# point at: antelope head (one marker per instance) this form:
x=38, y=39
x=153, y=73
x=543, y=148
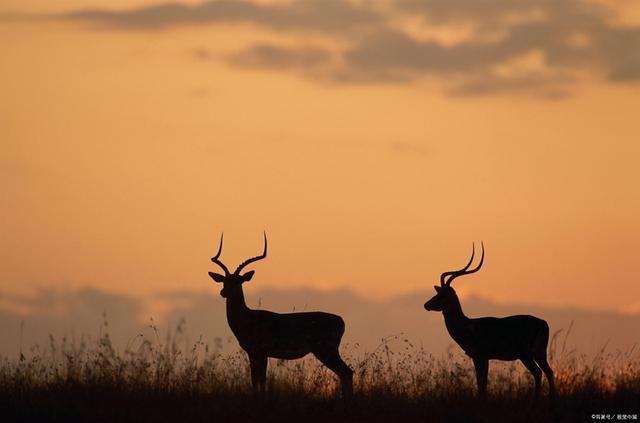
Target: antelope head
x=232, y=282
x=445, y=294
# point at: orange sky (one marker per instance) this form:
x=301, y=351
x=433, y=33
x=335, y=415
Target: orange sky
x=126, y=150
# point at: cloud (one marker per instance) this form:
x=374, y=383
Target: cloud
x=491, y=12
x=66, y=313
x=481, y=65
x=571, y=38
x=395, y=50
x=78, y=313
x=268, y=56
x=619, y=51
x=316, y=15
x=548, y=87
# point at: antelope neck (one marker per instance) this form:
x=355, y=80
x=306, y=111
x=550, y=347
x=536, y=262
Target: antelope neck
x=454, y=316
x=236, y=304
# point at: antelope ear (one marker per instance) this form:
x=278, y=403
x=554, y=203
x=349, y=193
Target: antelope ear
x=247, y=276
x=438, y=288
x=216, y=277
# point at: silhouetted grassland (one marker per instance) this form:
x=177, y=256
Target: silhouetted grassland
x=174, y=380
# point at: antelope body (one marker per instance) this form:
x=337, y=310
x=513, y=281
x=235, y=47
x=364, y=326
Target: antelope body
x=520, y=337
x=288, y=336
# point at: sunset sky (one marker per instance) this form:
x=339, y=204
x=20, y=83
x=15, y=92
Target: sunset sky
x=374, y=141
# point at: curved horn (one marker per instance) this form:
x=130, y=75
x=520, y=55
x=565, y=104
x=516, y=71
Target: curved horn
x=443, y=277
x=252, y=259
x=468, y=272
x=218, y=262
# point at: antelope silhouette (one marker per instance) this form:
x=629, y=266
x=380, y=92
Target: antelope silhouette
x=288, y=336
x=520, y=337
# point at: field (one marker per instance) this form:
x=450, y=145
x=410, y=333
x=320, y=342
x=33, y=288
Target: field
x=169, y=378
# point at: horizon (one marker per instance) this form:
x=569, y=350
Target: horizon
x=81, y=313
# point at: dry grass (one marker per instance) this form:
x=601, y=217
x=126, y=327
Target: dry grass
x=156, y=380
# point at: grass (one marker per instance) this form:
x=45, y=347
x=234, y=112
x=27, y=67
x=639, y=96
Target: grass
x=156, y=380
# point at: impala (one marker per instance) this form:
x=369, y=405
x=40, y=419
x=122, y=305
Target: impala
x=520, y=337
x=289, y=336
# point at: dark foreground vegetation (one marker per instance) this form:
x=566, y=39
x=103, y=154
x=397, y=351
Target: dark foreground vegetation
x=174, y=380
